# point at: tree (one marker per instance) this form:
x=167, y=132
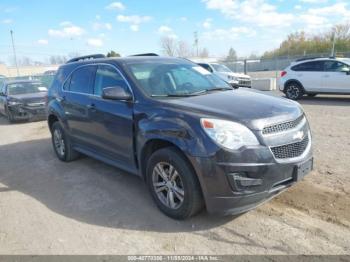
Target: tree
x=232, y=55
x=183, y=49
x=204, y=53
x=169, y=45
x=113, y=54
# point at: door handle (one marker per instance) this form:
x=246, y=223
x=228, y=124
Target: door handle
x=91, y=107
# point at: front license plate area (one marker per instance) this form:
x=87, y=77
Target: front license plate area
x=301, y=170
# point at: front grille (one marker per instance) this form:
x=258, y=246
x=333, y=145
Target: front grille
x=282, y=126
x=244, y=82
x=291, y=150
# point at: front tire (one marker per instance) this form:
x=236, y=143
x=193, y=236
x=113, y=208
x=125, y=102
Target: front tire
x=9, y=116
x=61, y=144
x=173, y=184
x=294, y=91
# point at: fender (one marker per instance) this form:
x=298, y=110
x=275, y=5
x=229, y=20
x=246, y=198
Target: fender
x=55, y=109
x=293, y=80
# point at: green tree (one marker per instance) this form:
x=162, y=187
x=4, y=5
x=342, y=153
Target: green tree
x=113, y=54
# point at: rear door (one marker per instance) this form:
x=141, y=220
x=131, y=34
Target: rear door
x=310, y=75
x=77, y=92
x=336, y=80
x=2, y=98
x=112, y=119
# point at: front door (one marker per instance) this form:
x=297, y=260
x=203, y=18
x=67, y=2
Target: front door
x=112, y=119
x=336, y=80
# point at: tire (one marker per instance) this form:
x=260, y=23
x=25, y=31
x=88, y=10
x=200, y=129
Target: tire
x=311, y=95
x=182, y=183
x=293, y=91
x=61, y=144
x=9, y=116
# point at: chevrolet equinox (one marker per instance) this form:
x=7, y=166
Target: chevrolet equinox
x=195, y=140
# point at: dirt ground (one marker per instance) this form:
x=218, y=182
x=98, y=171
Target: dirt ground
x=87, y=207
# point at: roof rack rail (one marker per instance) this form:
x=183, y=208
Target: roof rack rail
x=86, y=57
x=308, y=58
x=146, y=54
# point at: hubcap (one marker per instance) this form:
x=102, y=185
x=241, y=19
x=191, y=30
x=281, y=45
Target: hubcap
x=168, y=185
x=293, y=92
x=59, y=142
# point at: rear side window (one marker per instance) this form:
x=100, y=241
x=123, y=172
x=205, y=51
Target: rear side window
x=206, y=66
x=334, y=66
x=315, y=66
x=108, y=76
x=81, y=80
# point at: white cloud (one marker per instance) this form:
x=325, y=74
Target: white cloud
x=183, y=19
x=133, y=19
x=116, y=6
x=43, y=42
x=230, y=33
x=164, y=29
x=7, y=21
x=313, y=1
x=257, y=12
x=207, y=23
x=66, y=23
x=95, y=42
x=134, y=28
x=101, y=26
x=298, y=7
x=67, y=30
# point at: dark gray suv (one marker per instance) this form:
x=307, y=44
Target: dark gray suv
x=195, y=140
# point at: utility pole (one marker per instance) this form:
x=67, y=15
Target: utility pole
x=14, y=52
x=333, y=45
x=196, y=42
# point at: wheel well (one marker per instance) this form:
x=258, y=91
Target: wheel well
x=293, y=81
x=151, y=147
x=51, y=120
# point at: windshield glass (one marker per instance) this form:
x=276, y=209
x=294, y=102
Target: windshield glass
x=221, y=68
x=167, y=79
x=25, y=88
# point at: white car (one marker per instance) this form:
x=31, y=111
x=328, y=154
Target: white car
x=222, y=71
x=316, y=76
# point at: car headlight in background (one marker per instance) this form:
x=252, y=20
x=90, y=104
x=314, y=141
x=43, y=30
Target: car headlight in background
x=14, y=103
x=228, y=134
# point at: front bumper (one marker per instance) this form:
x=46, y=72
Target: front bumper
x=241, y=83
x=234, y=183
x=23, y=112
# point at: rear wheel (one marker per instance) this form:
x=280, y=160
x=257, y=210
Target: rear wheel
x=294, y=91
x=173, y=184
x=61, y=144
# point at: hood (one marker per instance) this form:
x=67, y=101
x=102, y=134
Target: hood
x=29, y=98
x=240, y=75
x=251, y=108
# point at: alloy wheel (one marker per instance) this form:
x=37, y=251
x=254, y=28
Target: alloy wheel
x=293, y=92
x=59, y=142
x=168, y=185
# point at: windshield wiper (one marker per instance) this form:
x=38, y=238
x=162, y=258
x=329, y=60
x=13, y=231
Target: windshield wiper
x=205, y=91
x=174, y=95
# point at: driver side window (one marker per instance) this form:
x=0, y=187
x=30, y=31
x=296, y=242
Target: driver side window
x=107, y=76
x=334, y=66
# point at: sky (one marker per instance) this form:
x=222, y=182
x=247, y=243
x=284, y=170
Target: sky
x=45, y=28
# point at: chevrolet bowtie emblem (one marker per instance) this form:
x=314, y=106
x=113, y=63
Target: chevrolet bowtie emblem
x=299, y=135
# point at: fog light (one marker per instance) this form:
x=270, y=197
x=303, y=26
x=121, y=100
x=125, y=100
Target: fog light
x=240, y=180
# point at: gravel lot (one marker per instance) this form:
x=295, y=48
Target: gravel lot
x=87, y=207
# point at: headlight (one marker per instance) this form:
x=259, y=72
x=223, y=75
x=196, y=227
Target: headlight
x=230, y=135
x=14, y=103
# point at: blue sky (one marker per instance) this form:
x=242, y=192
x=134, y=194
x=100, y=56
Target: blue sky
x=44, y=28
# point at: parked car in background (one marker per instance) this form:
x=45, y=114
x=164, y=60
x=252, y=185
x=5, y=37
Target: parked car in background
x=50, y=72
x=22, y=100
x=222, y=71
x=316, y=76
x=195, y=140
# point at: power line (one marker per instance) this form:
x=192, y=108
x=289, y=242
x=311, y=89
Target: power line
x=14, y=52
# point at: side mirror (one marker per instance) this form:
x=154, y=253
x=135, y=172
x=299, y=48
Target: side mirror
x=346, y=70
x=116, y=93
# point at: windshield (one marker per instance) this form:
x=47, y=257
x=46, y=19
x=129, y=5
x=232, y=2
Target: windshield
x=221, y=68
x=168, y=79
x=25, y=88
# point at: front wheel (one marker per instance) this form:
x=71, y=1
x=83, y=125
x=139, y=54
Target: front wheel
x=294, y=91
x=173, y=184
x=61, y=144
x=9, y=116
